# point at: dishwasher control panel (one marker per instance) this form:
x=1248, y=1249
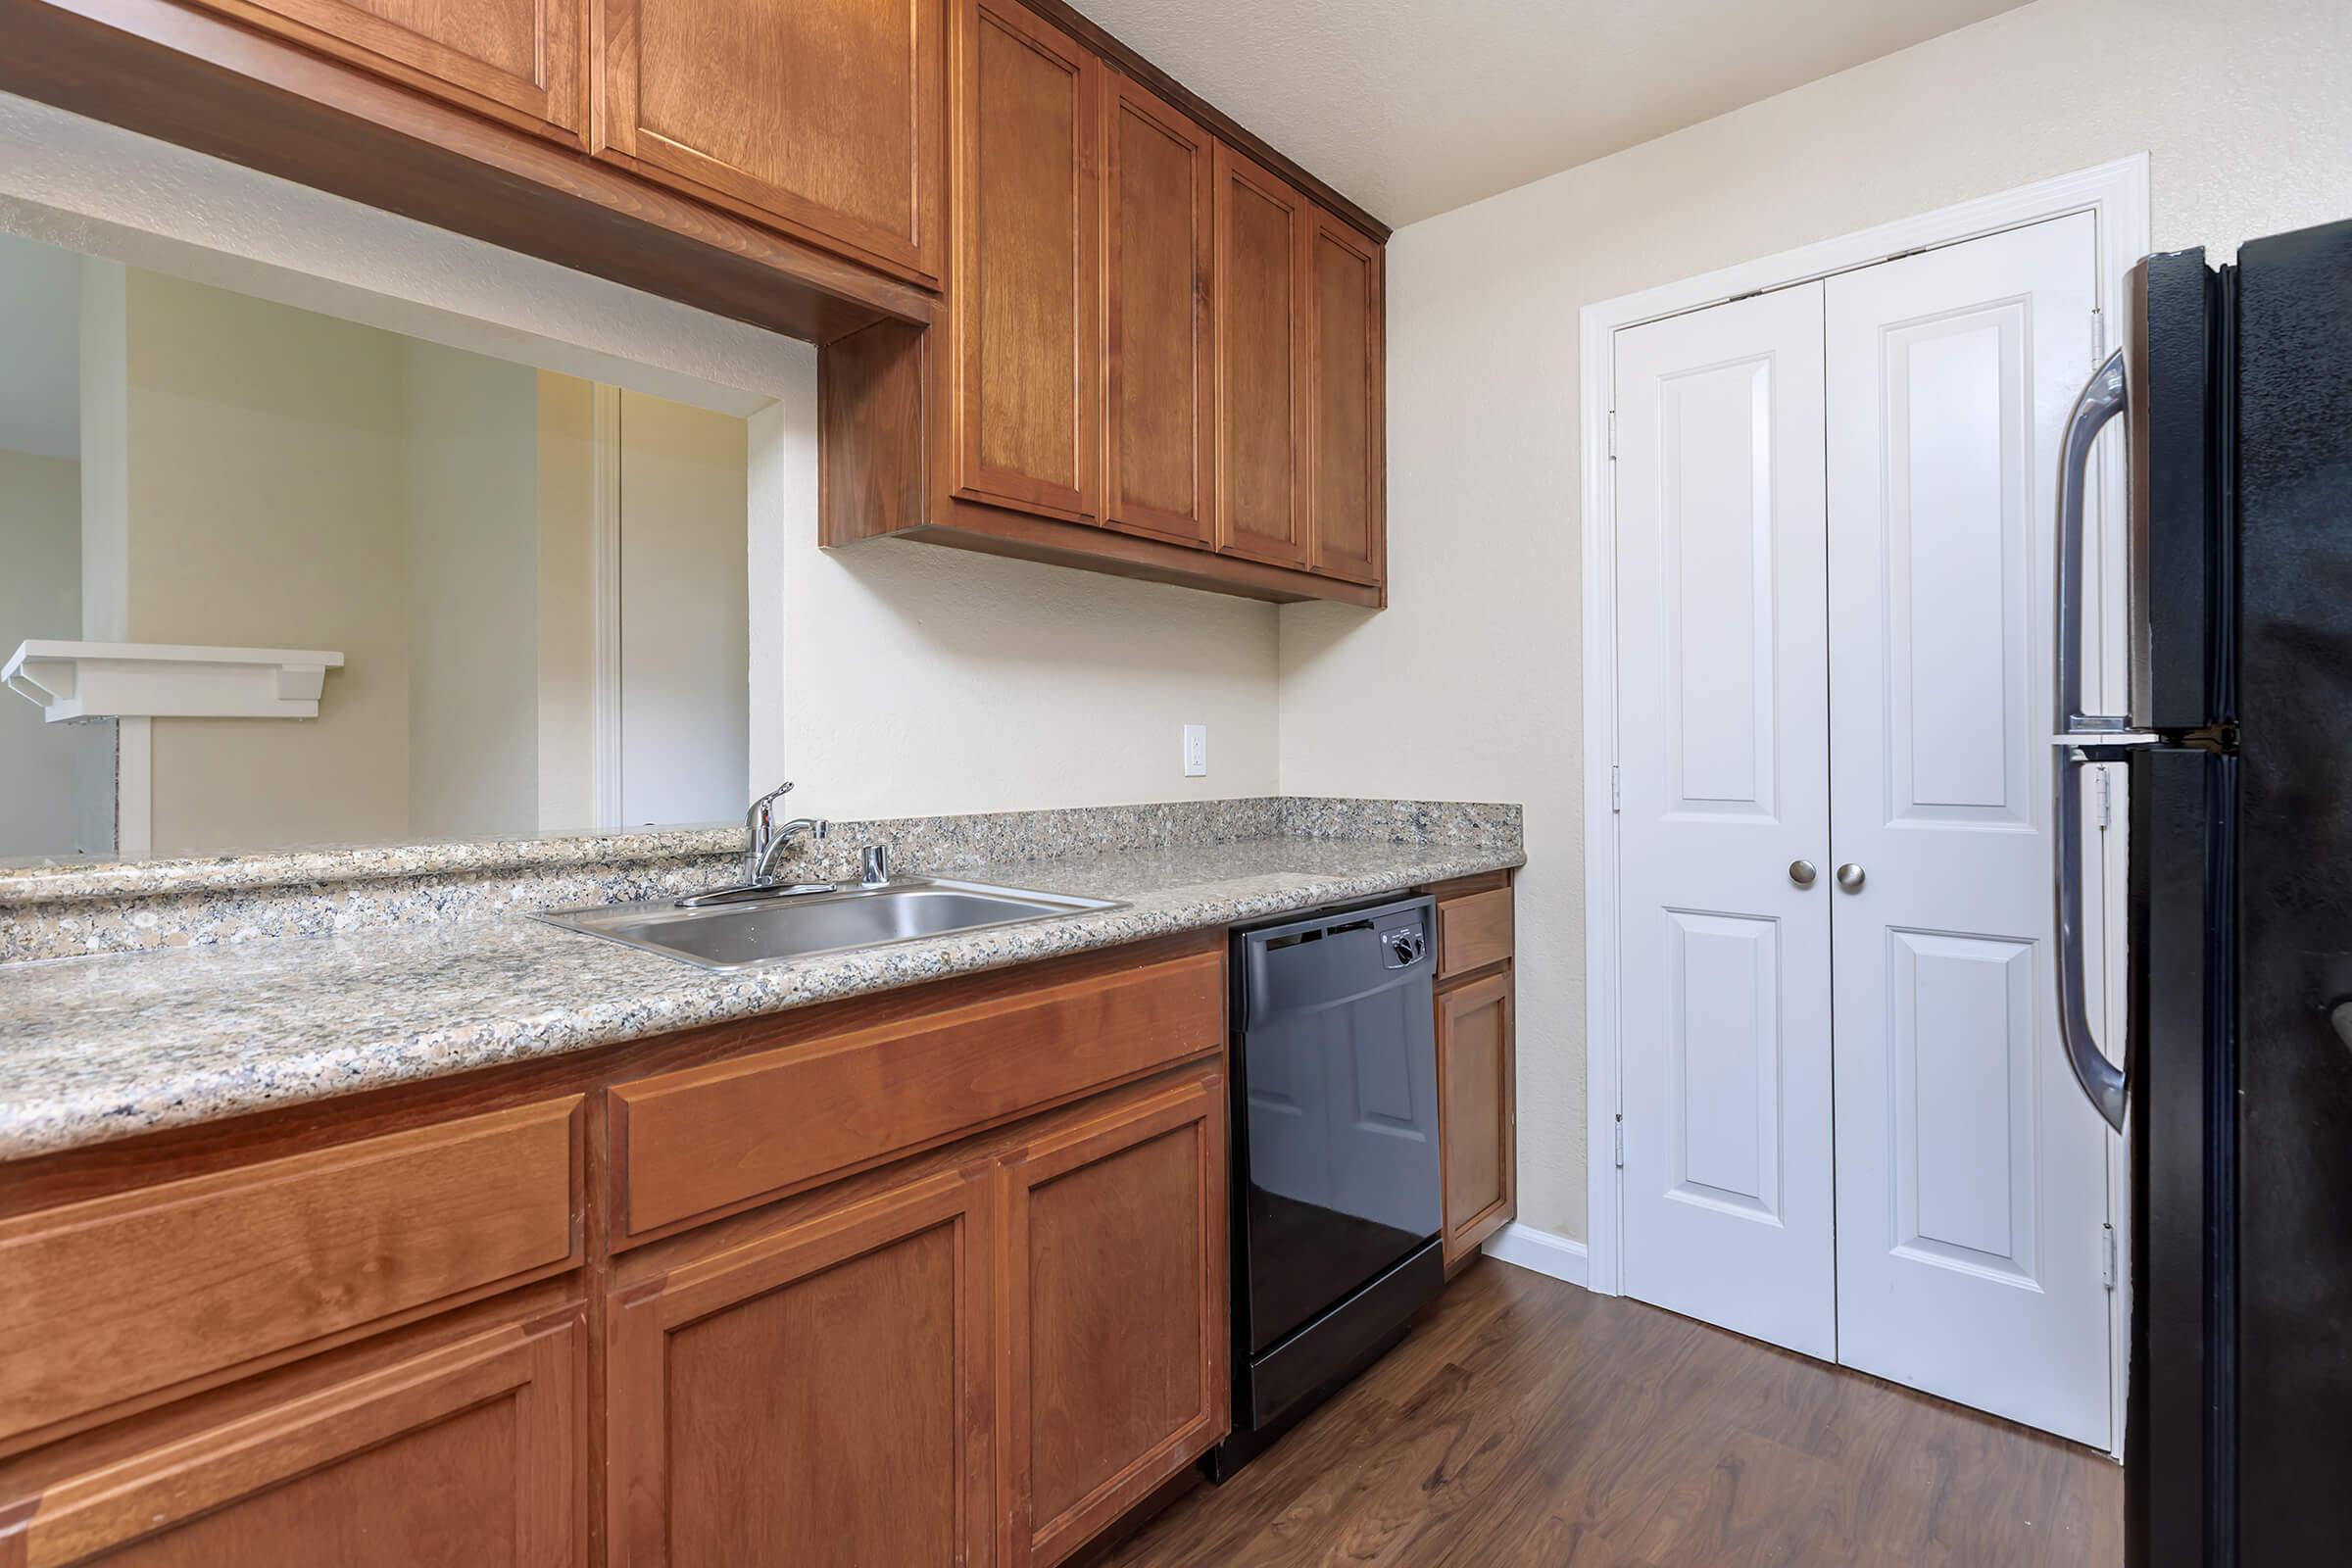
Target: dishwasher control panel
x=1404, y=945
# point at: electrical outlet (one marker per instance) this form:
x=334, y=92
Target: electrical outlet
x=1196, y=751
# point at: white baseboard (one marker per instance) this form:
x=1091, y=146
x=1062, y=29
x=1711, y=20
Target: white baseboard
x=1539, y=1250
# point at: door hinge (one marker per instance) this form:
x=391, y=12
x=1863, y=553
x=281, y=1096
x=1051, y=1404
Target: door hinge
x=1621, y=1141
x=1616, y=788
x=2099, y=337
x=2107, y=1256
x=1613, y=436
x=2106, y=798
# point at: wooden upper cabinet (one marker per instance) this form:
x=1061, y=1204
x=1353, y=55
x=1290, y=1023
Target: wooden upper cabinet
x=1159, y=367
x=1261, y=430
x=1345, y=466
x=520, y=61
x=822, y=116
x=818, y=1394
x=1026, y=292
x=1113, y=1294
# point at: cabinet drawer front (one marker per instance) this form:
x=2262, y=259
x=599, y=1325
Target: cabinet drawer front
x=689, y=1142
x=1473, y=932
x=127, y=1295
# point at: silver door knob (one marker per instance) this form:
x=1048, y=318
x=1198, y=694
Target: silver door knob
x=1801, y=873
x=1849, y=878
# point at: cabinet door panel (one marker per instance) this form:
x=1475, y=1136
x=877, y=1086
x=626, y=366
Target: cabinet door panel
x=1028, y=282
x=1344, y=403
x=519, y=60
x=815, y=1396
x=1475, y=1075
x=1114, y=1285
x=463, y=1455
x=1157, y=352
x=824, y=116
x=1261, y=425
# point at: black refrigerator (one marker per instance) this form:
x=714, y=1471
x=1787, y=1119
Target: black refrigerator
x=2237, y=1095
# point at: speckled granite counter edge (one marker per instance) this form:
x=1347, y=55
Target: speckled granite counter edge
x=72, y=912
x=151, y=1086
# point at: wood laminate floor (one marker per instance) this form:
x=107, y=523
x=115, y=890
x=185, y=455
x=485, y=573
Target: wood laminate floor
x=1530, y=1422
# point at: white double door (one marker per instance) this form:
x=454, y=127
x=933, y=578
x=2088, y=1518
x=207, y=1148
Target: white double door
x=1847, y=1126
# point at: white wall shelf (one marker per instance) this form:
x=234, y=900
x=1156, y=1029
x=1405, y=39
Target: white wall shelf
x=69, y=680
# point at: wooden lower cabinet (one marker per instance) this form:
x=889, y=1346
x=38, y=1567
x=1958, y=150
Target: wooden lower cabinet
x=462, y=1455
x=819, y=1394
x=1475, y=1089
x=984, y=1364
x=1113, y=1301
x=949, y=1294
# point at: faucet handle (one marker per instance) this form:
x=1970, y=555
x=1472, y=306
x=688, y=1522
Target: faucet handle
x=758, y=810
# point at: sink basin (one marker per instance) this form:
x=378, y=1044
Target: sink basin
x=738, y=936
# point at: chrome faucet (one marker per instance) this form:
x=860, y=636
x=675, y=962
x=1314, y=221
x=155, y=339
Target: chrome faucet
x=770, y=838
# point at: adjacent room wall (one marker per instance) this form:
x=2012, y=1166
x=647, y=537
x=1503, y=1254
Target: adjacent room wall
x=265, y=492
x=685, y=707
x=2243, y=111
x=45, y=768
x=470, y=453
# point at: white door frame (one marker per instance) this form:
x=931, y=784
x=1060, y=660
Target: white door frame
x=2117, y=195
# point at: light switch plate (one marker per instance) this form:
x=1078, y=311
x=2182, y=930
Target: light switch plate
x=1196, y=751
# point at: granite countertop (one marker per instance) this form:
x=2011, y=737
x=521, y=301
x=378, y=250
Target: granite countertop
x=105, y=1046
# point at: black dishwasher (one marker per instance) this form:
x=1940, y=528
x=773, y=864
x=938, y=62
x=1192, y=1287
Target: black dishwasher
x=1338, y=1198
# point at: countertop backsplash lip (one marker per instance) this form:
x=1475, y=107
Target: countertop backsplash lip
x=70, y=910
x=102, y=1047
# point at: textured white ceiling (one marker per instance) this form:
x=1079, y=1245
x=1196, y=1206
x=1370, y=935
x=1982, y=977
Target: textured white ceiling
x=1411, y=107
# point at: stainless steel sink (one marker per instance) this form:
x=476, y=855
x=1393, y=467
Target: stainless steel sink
x=739, y=935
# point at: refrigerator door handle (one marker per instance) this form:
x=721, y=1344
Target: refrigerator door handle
x=2104, y=396
x=2106, y=1085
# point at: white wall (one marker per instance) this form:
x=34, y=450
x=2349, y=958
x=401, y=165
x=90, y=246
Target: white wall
x=920, y=679
x=2244, y=110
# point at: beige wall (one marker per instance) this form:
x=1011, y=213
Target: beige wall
x=684, y=659
x=266, y=497
x=2245, y=114
x=469, y=446
x=566, y=589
